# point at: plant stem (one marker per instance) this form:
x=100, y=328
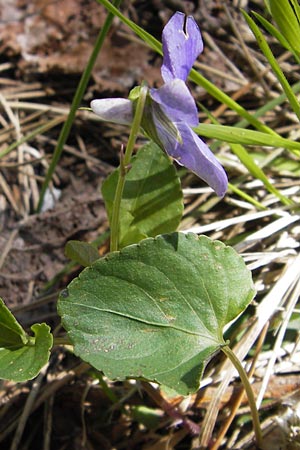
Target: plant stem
x=245, y=380
x=123, y=169
x=64, y=134
x=62, y=341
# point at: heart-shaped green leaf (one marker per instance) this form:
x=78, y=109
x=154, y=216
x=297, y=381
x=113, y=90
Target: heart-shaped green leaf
x=22, y=356
x=152, y=199
x=156, y=310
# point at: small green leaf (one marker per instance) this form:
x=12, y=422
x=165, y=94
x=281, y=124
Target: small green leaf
x=152, y=200
x=12, y=334
x=25, y=362
x=21, y=356
x=156, y=310
x=149, y=417
x=81, y=252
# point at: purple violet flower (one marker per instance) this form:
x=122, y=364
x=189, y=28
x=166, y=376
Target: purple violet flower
x=170, y=111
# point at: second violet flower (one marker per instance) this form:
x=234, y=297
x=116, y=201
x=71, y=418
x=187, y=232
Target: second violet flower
x=170, y=111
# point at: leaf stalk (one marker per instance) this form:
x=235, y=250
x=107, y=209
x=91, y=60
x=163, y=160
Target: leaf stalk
x=245, y=380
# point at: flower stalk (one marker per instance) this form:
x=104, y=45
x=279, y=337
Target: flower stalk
x=123, y=169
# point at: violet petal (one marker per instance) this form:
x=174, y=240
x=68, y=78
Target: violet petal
x=116, y=110
x=177, y=102
x=182, y=43
x=195, y=155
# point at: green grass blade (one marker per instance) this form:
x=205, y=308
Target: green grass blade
x=232, y=104
x=286, y=14
x=257, y=172
x=246, y=197
x=75, y=104
x=144, y=35
x=270, y=105
x=267, y=5
x=243, y=136
x=246, y=159
x=258, y=113
x=263, y=45
x=276, y=33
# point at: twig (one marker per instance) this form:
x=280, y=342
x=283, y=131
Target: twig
x=8, y=246
x=27, y=409
x=48, y=422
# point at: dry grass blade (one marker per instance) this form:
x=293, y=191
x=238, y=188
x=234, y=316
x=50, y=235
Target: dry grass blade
x=293, y=296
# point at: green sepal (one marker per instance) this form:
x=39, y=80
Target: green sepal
x=153, y=108
x=134, y=93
